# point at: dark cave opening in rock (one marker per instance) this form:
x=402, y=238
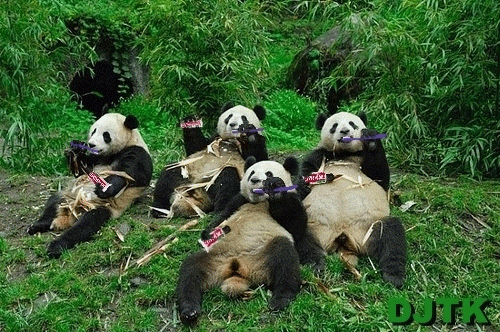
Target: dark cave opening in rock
x=99, y=87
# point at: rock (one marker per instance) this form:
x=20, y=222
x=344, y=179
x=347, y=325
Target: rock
x=316, y=62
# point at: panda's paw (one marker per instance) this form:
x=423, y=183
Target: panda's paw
x=102, y=194
x=395, y=279
x=189, y=313
x=370, y=143
x=272, y=183
x=56, y=248
x=205, y=234
x=279, y=302
x=38, y=228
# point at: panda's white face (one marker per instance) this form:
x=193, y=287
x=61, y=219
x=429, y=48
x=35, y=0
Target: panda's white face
x=257, y=173
x=341, y=125
x=232, y=119
x=108, y=135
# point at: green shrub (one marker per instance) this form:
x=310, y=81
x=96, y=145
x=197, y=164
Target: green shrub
x=430, y=76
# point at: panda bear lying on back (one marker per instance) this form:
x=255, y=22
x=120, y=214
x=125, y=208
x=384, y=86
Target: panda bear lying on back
x=258, y=247
x=123, y=161
x=209, y=177
x=350, y=215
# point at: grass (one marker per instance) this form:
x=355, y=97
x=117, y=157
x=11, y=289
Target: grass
x=88, y=289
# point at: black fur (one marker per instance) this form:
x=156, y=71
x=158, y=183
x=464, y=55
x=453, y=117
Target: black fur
x=291, y=165
x=283, y=268
x=234, y=204
x=260, y=112
x=49, y=213
x=320, y=121
x=387, y=244
x=164, y=188
x=192, y=277
x=83, y=230
x=194, y=140
x=375, y=164
x=287, y=209
x=225, y=187
x=131, y=122
x=310, y=252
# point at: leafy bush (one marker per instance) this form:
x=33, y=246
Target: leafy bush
x=290, y=121
x=430, y=73
x=204, y=53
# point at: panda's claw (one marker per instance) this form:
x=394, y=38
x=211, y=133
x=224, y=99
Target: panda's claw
x=56, y=248
x=280, y=302
x=189, y=315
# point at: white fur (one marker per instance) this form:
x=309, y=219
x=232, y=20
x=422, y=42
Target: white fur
x=121, y=137
x=259, y=173
x=332, y=141
x=225, y=130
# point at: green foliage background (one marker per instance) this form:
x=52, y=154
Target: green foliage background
x=430, y=76
x=429, y=72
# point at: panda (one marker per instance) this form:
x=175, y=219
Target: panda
x=256, y=248
x=209, y=177
x=350, y=215
x=122, y=159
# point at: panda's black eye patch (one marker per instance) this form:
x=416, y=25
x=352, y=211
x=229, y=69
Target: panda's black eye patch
x=93, y=132
x=251, y=173
x=334, y=127
x=269, y=174
x=244, y=119
x=107, y=137
x=226, y=121
x=353, y=125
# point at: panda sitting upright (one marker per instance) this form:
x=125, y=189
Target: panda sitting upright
x=122, y=160
x=256, y=248
x=350, y=215
x=209, y=177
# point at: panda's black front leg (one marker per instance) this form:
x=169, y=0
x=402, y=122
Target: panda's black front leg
x=224, y=188
x=286, y=208
x=375, y=164
x=231, y=207
x=116, y=182
x=387, y=244
x=194, y=140
x=313, y=161
x=252, y=143
x=48, y=215
x=88, y=224
x=164, y=189
x=311, y=253
x=193, y=277
x=282, y=265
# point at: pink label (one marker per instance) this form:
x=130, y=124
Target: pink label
x=214, y=236
x=98, y=180
x=316, y=178
x=192, y=124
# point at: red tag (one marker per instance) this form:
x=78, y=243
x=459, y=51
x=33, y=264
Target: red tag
x=192, y=124
x=214, y=236
x=316, y=178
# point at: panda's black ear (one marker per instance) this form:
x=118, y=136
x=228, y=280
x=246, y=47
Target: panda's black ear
x=291, y=165
x=320, y=121
x=249, y=162
x=131, y=122
x=226, y=106
x=363, y=118
x=260, y=111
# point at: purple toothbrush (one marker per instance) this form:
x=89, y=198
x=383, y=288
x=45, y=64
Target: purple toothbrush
x=348, y=139
x=277, y=190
